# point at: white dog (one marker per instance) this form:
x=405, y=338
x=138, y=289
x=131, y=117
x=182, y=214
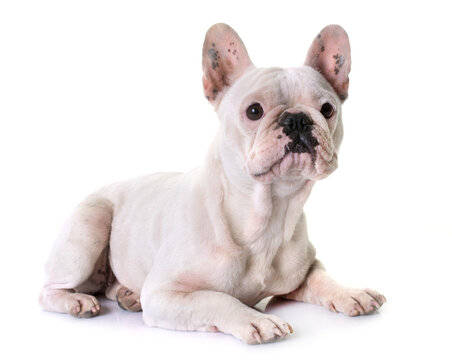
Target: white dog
x=196, y=251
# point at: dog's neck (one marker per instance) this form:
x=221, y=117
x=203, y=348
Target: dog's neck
x=256, y=215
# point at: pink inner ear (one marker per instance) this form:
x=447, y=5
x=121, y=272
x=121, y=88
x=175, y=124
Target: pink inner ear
x=330, y=55
x=225, y=59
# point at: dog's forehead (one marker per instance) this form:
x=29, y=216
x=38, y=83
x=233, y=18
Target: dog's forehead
x=303, y=83
x=291, y=85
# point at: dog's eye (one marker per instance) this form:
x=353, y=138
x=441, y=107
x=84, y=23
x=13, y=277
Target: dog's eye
x=327, y=110
x=254, y=112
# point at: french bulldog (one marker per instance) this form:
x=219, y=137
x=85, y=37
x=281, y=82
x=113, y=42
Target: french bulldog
x=197, y=250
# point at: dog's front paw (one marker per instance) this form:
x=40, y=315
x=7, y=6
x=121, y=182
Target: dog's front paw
x=355, y=302
x=261, y=329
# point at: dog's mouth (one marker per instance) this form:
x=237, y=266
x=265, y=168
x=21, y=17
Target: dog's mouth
x=313, y=158
x=302, y=143
x=274, y=165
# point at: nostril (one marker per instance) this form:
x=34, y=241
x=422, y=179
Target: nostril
x=305, y=119
x=295, y=122
x=287, y=120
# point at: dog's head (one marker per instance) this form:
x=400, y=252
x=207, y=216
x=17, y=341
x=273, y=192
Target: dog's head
x=278, y=123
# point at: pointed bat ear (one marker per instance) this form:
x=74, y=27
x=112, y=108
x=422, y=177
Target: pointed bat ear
x=329, y=54
x=224, y=60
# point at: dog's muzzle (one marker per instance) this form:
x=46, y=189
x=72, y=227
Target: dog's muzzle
x=298, y=127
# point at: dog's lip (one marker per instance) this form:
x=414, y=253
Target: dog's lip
x=269, y=169
x=271, y=166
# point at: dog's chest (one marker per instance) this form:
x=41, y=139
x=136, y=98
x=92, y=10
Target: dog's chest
x=267, y=274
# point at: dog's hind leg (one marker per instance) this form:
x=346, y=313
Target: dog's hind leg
x=78, y=265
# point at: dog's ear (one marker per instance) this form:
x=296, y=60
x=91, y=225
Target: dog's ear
x=329, y=54
x=224, y=60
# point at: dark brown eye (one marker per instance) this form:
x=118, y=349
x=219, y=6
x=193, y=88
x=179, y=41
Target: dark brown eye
x=327, y=110
x=254, y=112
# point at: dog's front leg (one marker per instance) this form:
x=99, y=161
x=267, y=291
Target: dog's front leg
x=319, y=288
x=210, y=311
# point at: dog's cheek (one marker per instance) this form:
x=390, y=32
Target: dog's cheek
x=269, y=149
x=338, y=134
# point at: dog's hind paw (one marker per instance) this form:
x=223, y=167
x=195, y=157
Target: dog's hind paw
x=82, y=305
x=127, y=300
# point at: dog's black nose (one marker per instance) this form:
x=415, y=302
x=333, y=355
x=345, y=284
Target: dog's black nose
x=298, y=127
x=295, y=122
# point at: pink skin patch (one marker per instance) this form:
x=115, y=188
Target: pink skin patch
x=224, y=60
x=329, y=54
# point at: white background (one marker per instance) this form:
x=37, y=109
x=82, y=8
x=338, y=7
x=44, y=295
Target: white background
x=93, y=92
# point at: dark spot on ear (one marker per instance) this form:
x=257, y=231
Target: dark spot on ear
x=338, y=63
x=212, y=54
x=208, y=97
x=339, y=59
x=321, y=46
x=215, y=91
x=213, y=44
x=229, y=50
x=279, y=136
